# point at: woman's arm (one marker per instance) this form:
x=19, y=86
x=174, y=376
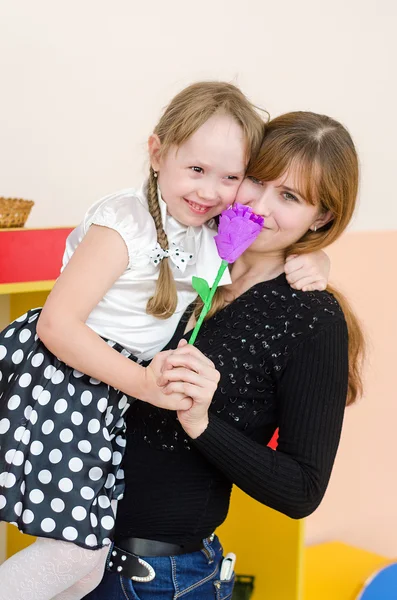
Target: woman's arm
x=99, y=260
x=311, y=402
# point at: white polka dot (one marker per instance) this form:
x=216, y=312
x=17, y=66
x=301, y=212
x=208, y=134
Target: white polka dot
x=94, y=426
x=27, y=467
x=9, y=455
x=106, y=434
x=47, y=427
x=66, y=436
x=18, y=509
x=11, y=376
x=65, y=484
x=57, y=505
x=95, y=473
x=48, y=525
x=91, y=540
x=121, y=441
x=18, y=433
x=94, y=381
x=25, y=437
x=60, y=406
x=27, y=516
x=4, y=425
x=107, y=522
x=105, y=454
x=44, y=397
x=93, y=519
x=70, y=533
x=102, y=404
x=86, y=398
x=77, y=373
x=1, y=375
x=36, y=448
x=116, y=459
x=36, y=496
x=9, y=333
x=120, y=423
x=55, y=456
x=49, y=371
x=37, y=391
x=71, y=389
x=84, y=446
x=109, y=418
x=76, y=418
x=23, y=487
x=79, y=513
x=3, y=502
x=110, y=481
x=25, y=380
x=37, y=359
x=45, y=476
x=103, y=501
x=27, y=412
x=3, y=352
x=24, y=335
x=33, y=417
x=75, y=464
x=87, y=493
x=18, y=458
x=10, y=480
x=106, y=541
x=17, y=357
x=21, y=318
x=58, y=377
x=33, y=317
x=120, y=474
x=123, y=402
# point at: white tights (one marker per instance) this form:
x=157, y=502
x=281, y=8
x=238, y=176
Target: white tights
x=52, y=570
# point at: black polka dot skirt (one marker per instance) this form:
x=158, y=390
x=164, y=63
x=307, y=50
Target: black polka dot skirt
x=62, y=440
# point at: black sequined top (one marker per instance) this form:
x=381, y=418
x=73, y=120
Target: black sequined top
x=282, y=356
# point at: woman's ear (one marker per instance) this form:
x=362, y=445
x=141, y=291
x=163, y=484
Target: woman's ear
x=154, y=146
x=322, y=220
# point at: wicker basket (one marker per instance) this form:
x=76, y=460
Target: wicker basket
x=14, y=212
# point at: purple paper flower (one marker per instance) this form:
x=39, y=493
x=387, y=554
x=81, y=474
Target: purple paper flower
x=238, y=228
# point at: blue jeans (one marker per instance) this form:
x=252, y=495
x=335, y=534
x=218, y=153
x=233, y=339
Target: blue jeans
x=193, y=576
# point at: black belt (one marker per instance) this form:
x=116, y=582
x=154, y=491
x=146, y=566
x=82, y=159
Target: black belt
x=125, y=556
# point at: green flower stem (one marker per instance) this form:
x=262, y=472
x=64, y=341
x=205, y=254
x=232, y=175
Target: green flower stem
x=208, y=302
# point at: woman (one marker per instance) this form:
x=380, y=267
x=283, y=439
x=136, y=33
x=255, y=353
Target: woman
x=286, y=359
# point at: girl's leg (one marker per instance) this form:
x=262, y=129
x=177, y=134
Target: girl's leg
x=45, y=569
x=88, y=583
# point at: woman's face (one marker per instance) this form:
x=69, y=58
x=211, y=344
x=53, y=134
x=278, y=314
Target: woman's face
x=288, y=216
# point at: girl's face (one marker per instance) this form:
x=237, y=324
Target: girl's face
x=288, y=216
x=200, y=178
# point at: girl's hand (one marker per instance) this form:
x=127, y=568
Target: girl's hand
x=308, y=272
x=155, y=391
x=191, y=374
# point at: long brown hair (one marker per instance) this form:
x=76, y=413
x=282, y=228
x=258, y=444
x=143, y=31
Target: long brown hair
x=185, y=114
x=324, y=160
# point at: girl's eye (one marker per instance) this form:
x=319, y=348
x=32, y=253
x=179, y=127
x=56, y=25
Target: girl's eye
x=197, y=169
x=290, y=197
x=255, y=180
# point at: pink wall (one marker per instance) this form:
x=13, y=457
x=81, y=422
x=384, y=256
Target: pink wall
x=360, y=506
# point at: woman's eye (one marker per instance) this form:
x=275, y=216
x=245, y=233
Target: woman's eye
x=290, y=197
x=197, y=169
x=232, y=178
x=255, y=180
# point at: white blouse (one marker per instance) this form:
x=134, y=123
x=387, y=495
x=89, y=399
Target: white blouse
x=121, y=314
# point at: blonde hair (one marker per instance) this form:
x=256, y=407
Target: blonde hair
x=185, y=114
x=324, y=161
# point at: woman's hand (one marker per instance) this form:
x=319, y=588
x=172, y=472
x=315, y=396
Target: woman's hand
x=308, y=272
x=188, y=372
x=155, y=390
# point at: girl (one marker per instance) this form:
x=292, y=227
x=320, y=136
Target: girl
x=70, y=371
x=285, y=359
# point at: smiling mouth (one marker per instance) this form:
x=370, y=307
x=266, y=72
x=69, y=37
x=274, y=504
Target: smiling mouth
x=198, y=208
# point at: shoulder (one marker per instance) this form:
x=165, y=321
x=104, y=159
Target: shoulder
x=125, y=208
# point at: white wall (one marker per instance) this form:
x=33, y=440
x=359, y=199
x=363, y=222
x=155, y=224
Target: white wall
x=83, y=82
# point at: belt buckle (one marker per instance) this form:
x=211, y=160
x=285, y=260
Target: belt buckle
x=124, y=558
x=152, y=572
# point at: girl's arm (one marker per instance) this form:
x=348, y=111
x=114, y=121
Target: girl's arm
x=311, y=401
x=308, y=272
x=99, y=260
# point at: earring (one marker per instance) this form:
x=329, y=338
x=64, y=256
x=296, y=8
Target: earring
x=155, y=174
x=315, y=228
